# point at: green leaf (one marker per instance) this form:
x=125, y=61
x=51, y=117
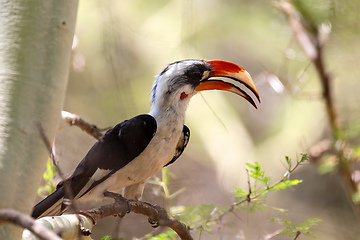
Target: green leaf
x=199, y=215
x=281, y=210
x=356, y=198
x=357, y=151
x=50, y=171
x=177, y=210
x=240, y=193
x=48, y=176
x=256, y=172
x=292, y=230
x=304, y=158
x=165, y=175
x=168, y=235
x=285, y=184
x=109, y=238
x=249, y=165
x=288, y=161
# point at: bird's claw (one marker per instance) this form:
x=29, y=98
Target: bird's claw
x=153, y=223
x=84, y=231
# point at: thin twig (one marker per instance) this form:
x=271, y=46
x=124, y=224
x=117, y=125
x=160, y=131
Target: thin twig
x=297, y=235
x=252, y=196
x=67, y=189
x=298, y=28
x=273, y=234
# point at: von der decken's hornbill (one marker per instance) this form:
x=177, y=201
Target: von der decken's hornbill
x=134, y=150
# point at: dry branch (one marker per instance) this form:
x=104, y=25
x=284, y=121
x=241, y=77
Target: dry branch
x=25, y=221
x=69, y=223
x=154, y=212
x=75, y=120
x=314, y=50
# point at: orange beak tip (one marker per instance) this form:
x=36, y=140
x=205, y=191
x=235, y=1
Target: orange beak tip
x=230, y=70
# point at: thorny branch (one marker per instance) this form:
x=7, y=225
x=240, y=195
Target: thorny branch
x=314, y=50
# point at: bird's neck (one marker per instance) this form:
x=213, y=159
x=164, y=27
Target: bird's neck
x=169, y=114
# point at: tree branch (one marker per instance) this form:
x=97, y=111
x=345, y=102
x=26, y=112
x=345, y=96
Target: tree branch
x=75, y=120
x=154, y=212
x=25, y=221
x=314, y=50
x=69, y=223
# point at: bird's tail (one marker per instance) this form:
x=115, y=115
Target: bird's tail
x=50, y=206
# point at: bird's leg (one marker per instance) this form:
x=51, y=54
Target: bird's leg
x=119, y=199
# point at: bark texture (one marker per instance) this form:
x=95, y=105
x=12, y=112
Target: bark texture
x=35, y=47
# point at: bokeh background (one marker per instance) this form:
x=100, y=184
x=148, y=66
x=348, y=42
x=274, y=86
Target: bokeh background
x=121, y=45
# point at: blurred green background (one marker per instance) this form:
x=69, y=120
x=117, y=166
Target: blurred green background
x=121, y=45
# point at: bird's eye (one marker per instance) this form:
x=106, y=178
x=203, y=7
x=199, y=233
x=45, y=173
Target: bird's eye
x=194, y=74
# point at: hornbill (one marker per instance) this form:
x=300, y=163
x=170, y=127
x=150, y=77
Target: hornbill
x=134, y=150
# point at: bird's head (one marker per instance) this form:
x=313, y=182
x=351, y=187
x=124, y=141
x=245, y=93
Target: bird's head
x=181, y=80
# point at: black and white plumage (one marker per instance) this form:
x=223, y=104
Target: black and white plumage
x=134, y=150
x=183, y=141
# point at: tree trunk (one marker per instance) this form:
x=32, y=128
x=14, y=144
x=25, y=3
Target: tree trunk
x=35, y=46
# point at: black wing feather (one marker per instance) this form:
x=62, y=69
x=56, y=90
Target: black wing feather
x=113, y=151
x=183, y=141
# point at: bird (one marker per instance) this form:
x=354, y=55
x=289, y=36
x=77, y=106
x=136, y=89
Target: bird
x=134, y=150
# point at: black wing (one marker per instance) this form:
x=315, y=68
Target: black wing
x=113, y=151
x=180, y=147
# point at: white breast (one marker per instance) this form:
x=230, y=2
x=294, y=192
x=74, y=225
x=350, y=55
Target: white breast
x=158, y=153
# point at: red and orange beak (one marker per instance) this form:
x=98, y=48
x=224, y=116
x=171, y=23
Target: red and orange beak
x=221, y=71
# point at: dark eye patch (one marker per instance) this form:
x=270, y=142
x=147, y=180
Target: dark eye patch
x=195, y=73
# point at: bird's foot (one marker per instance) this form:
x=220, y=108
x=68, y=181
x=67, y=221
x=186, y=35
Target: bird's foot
x=121, y=200
x=84, y=231
x=155, y=222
